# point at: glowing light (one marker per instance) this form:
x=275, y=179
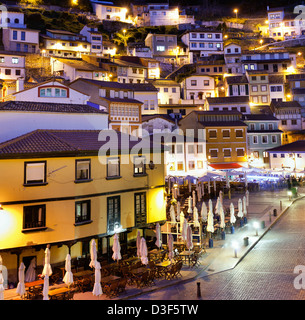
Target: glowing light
x=299, y=53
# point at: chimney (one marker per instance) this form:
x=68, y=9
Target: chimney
x=20, y=84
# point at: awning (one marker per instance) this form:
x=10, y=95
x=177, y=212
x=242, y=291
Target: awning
x=225, y=166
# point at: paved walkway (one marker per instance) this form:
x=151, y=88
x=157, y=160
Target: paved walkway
x=222, y=256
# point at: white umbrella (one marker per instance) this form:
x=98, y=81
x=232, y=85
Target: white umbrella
x=221, y=197
x=210, y=224
x=170, y=245
x=202, y=188
x=247, y=197
x=194, y=198
x=209, y=187
x=246, y=180
x=68, y=277
x=138, y=245
x=217, y=206
x=240, y=209
x=178, y=211
x=190, y=186
x=184, y=230
x=232, y=216
x=21, y=287
x=222, y=218
x=116, y=248
x=204, y=212
x=195, y=217
x=210, y=205
x=45, y=291
x=189, y=209
x=47, y=270
x=227, y=180
x=172, y=215
x=158, y=242
x=198, y=188
x=189, y=238
x=144, y=258
x=181, y=221
x=1, y=281
x=244, y=206
x=30, y=274
x=97, y=288
x=93, y=254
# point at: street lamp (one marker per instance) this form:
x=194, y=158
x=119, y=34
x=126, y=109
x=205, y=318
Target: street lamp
x=236, y=11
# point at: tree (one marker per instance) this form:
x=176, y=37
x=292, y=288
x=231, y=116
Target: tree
x=122, y=38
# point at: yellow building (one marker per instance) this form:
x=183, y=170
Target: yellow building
x=60, y=187
x=225, y=134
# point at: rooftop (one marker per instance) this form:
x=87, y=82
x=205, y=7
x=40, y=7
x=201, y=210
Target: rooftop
x=228, y=100
x=47, y=107
x=297, y=146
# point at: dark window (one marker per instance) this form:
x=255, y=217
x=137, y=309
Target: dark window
x=34, y=216
x=22, y=35
x=113, y=213
x=140, y=208
x=82, y=169
x=17, y=72
x=14, y=35
x=7, y=72
x=82, y=211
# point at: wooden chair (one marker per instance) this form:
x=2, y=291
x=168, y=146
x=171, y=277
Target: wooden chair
x=141, y=280
x=111, y=289
x=54, y=278
x=70, y=295
x=195, y=260
x=122, y=285
x=151, y=277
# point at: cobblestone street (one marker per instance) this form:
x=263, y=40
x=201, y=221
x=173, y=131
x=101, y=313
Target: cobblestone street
x=265, y=273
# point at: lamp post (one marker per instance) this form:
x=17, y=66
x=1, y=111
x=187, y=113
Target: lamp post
x=236, y=11
x=235, y=247
x=255, y=225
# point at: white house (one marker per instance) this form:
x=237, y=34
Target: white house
x=198, y=87
x=203, y=42
x=288, y=157
x=169, y=91
x=20, y=39
x=238, y=103
x=232, y=56
x=66, y=44
x=20, y=117
x=157, y=122
x=50, y=92
x=72, y=69
x=94, y=37
x=106, y=10
x=12, y=65
x=12, y=19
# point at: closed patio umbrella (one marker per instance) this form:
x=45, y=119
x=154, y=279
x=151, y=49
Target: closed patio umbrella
x=116, y=248
x=189, y=204
x=178, y=211
x=47, y=269
x=247, y=197
x=210, y=205
x=97, y=288
x=202, y=189
x=45, y=291
x=170, y=245
x=158, y=235
x=204, y=212
x=93, y=255
x=194, y=198
x=195, y=217
x=144, y=258
x=181, y=221
x=244, y=206
x=240, y=209
x=21, y=287
x=189, y=238
x=232, y=216
x=1, y=281
x=184, y=230
x=210, y=224
x=138, y=245
x=30, y=274
x=221, y=197
x=209, y=187
x=172, y=215
x=68, y=277
x=217, y=206
x=222, y=218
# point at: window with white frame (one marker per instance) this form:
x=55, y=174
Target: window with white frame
x=240, y=152
x=35, y=172
x=227, y=153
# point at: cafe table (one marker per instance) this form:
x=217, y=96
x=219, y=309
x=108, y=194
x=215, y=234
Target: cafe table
x=108, y=279
x=161, y=267
x=139, y=270
x=56, y=292
x=187, y=254
x=83, y=274
x=34, y=283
